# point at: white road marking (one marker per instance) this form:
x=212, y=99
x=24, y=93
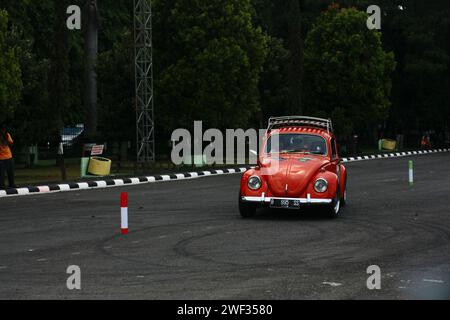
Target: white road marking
x=101, y=184
x=333, y=284
x=64, y=187
x=118, y=182
x=433, y=280
x=43, y=189
x=23, y=191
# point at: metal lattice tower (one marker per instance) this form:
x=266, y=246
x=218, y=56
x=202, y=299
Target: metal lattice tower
x=144, y=81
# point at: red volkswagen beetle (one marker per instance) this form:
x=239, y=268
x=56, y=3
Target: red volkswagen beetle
x=298, y=165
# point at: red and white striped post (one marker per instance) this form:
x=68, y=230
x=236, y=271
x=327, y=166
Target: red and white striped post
x=123, y=212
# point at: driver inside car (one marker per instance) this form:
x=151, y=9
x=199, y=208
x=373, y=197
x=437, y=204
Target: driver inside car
x=298, y=144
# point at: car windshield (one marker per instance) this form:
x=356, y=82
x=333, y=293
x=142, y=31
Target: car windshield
x=296, y=142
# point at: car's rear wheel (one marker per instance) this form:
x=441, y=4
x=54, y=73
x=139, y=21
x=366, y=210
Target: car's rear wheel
x=247, y=210
x=335, y=206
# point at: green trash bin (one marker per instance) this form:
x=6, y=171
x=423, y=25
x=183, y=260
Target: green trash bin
x=84, y=166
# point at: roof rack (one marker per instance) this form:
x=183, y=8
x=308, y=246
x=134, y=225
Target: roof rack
x=303, y=121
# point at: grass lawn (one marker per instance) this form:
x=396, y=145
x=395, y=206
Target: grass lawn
x=43, y=174
x=46, y=174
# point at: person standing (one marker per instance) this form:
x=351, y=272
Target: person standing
x=6, y=158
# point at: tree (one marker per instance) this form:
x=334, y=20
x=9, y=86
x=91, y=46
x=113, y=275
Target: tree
x=59, y=88
x=10, y=73
x=283, y=20
x=347, y=72
x=117, y=115
x=273, y=89
x=419, y=34
x=213, y=64
x=34, y=104
x=91, y=26
x=295, y=44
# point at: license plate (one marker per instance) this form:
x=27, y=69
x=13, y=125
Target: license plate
x=285, y=203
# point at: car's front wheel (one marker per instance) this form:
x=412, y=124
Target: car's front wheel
x=335, y=206
x=247, y=210
x=344, y=197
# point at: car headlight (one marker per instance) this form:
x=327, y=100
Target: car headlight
x=321, y=185
x=254, y=182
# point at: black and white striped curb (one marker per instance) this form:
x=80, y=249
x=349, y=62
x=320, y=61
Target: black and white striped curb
x=175, y=176
x=115, y=182
x=393, y=155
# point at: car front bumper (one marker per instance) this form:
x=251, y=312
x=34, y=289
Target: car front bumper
x=263, y=199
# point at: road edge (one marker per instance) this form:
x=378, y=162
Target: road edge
x=99, y=184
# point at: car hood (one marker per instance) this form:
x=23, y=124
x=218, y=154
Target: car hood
x=288, y=175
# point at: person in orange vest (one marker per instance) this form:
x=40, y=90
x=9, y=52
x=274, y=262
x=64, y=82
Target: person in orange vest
x=425, y=141
x=6, y=158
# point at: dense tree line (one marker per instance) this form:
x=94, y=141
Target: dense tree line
x=347, y=72
x=232, y=63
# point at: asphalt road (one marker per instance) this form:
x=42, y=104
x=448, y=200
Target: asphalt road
x=187, y=241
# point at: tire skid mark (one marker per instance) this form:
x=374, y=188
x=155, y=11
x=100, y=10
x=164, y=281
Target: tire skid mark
x=182, y=246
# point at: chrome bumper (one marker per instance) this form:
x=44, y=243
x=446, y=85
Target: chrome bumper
x=264, y=199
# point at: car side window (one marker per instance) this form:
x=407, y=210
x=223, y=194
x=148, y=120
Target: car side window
x=333, y=149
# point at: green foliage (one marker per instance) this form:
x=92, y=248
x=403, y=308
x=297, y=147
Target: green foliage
x=35, y=100
x=117, y=114
x=347, y=68
x=231, y=64
x=10, y=73
x=50, y=58
x=213, y=65
x=273, y=89
x=420, y=37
